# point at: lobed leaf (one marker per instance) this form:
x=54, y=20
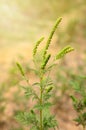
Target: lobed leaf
x=23, y=117
x=29, y=92
x=27, y=118
x=43, y=106
x=49, y=122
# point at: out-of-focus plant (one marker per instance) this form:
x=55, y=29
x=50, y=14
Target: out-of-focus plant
x=9, y=94
x=79, y=100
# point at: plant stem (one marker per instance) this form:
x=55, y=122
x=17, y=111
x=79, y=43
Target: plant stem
x=41, y=112
x=41, y=103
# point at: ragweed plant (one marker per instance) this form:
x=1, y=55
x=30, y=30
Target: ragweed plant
x=79, y=101
x=39, y=116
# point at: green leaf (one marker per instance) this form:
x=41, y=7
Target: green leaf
x=50, y=67
x=81, y=119
x=27, y=118
x=36, y=84
x=42, y=107
x=73, y=99
x=78, y=120
x=46, y=96
x=23, y=117
x=84, y=101
x=46, y=82
x=29, y=92
x=34, y=128
x=49, y=89
x=76, y=86
x=47, y=105
x=49, y=122
x=79, y=106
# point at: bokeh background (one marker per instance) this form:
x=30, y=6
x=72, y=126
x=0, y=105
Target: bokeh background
x=22, y=23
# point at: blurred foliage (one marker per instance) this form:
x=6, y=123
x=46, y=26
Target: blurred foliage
x=79, y=102
x=64, y=77
x=11, y=98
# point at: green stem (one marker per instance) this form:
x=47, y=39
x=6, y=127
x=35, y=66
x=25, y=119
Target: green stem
x=41, y=103
x=41, y=112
